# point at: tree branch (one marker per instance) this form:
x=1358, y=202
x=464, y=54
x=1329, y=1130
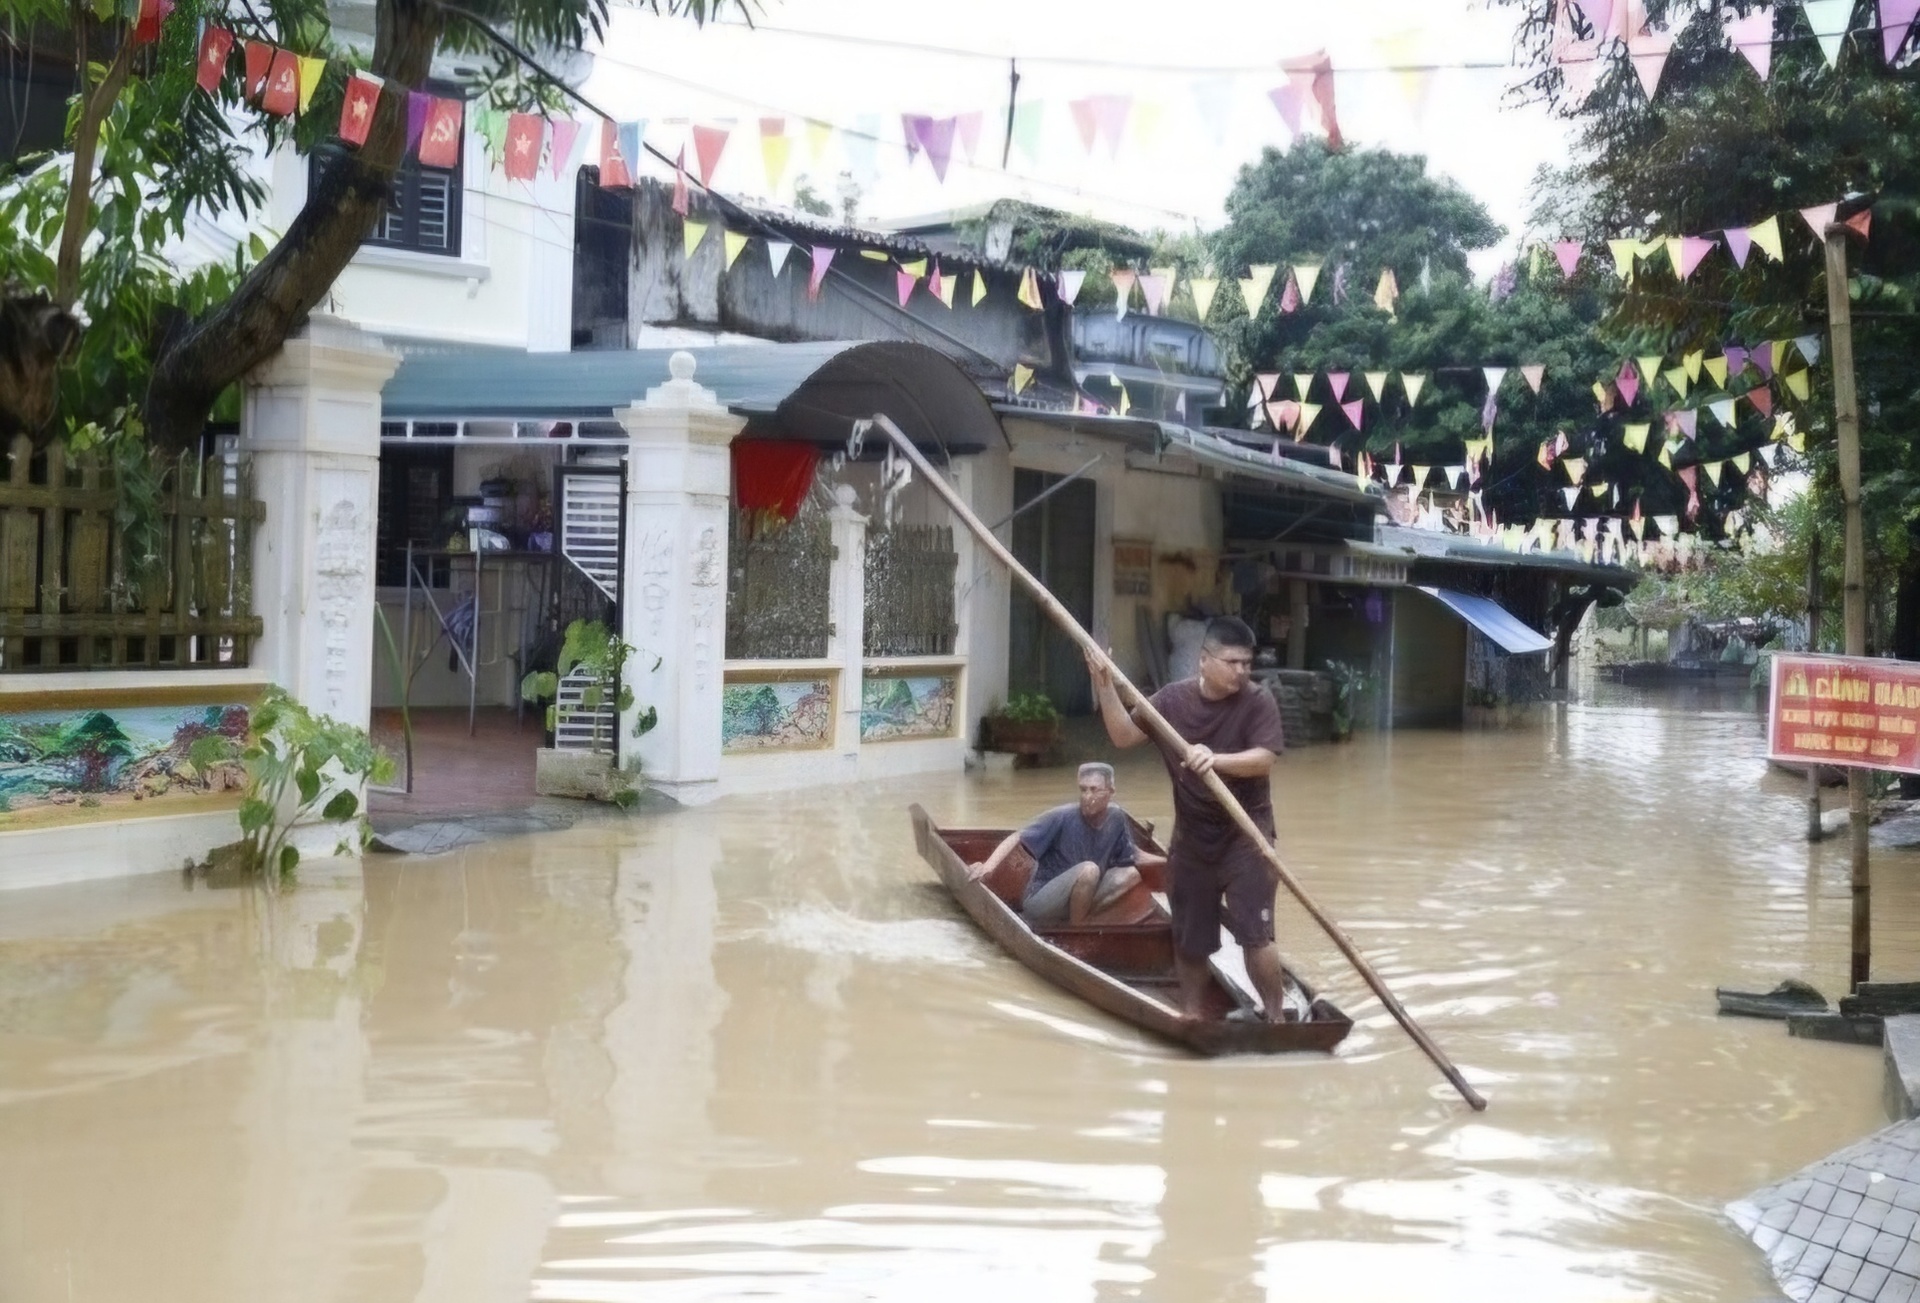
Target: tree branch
x=245, y=330
x=86, y=142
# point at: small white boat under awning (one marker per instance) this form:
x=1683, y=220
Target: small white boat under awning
x=1506, y=630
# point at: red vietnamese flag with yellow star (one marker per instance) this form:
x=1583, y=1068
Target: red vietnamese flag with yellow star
x=216, y=43
x=525, y=132
x=356, y=108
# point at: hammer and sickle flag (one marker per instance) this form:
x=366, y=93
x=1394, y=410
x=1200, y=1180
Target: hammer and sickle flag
x=440, y=144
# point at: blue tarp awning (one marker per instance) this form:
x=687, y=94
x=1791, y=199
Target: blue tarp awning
x=1493, y=620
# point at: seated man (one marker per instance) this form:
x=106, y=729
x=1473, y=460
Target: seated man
x=1083, y=856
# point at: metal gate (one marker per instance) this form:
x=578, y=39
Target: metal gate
x=589, y=549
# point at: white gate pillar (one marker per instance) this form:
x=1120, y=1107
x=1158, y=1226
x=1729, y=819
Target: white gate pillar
x=310, y=421
x=674, y=604
x=847, y=609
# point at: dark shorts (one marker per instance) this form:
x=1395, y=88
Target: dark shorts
x=1236, y=888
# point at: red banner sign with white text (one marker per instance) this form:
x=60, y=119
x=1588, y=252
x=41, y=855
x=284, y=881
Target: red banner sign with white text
x=1845, y=710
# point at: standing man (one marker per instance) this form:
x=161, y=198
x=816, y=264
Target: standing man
x=1083, y=855
x=1232, y=727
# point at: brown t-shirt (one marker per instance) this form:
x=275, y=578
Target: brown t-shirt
x=1241, y=722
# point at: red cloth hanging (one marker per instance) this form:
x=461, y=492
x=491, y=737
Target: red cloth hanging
x=772, y=475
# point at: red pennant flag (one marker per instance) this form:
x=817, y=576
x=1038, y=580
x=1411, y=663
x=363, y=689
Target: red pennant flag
x=1762, y=399
x=215, y=45
x=525, y=132
x=356, y=109
x=259, y=61
x=146, y=27
x=613, y=168
x=440, y=143
x=282, y=95
x=708, y=142
x=1859, y=222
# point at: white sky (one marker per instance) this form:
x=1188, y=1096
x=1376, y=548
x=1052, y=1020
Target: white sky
x=1172, y=175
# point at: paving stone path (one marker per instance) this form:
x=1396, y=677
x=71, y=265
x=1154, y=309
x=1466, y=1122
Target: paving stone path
x=1847, y=1228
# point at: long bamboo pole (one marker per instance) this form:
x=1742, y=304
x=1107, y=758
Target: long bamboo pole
x=1846, y=419
x=1156, y=723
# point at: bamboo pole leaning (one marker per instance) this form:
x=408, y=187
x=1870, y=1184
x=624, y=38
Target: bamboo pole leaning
x=1144, y=711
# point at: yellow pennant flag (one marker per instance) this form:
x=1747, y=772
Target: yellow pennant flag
x=1666, y=457
x=310, y=70
x=1797, y=441
x=1742, y=461
x=1413, y=384
x=1576, y=468
x=1597, y=490
x=1623, y=252
x=818, y=135
x=1029, y=289
x=1387, y=293
x=878, y=255
x=1649, y=368
x=774, y=149
x=1601, y=395
x=1022, y=376
x=1671, y=247
x=916, y=269
x=945, y=289
x=1635, y=436
x=1126, y=403
x=1203, y=292
x=1677, y=377
x=1304, y=275
x=1796, y=383
x=693, y=232
x=1301, y=379
x=1712, y=468
x=734, y=241
x=1308, y=411
x=979, y=288
x=1377, y=382
x=1692, y=363
x=1767, y=236
x=1717, y=368
x=1254, y=285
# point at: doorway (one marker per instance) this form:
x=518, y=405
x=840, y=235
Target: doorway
x=1055, y=541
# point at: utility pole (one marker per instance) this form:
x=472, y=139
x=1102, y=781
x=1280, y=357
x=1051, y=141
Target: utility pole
x=1814, y=829
x=1846, y=415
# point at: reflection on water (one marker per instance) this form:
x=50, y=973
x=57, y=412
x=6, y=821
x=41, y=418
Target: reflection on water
x=752, y=1050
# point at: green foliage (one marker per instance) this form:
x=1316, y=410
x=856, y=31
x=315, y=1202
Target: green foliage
x=1353, y=684
x=1033, y=707
x=297, y=763
x=589, y=646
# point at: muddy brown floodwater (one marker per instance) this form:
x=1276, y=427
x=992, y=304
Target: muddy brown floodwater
x=752, y=1051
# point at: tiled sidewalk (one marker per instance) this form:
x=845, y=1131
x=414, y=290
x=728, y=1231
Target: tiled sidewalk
x=1845, y=1228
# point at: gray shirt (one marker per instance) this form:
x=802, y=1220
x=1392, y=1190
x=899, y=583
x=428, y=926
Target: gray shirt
x=1062, y=838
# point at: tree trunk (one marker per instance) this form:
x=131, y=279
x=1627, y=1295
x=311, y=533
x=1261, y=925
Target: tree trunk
x=246, y=330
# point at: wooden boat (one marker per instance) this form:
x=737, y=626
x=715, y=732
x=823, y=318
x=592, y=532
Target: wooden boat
x=1125, y=968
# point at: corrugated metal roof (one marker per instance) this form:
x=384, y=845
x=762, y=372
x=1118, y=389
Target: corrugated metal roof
x=508, y=384
x=1507, y=630
x=1436, y=546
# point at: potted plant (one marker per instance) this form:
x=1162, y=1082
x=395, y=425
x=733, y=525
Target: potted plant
x=1028, y=725
x=1352, y=684
x=593, y=653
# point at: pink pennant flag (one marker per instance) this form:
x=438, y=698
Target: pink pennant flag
x=708, y=142
x=1687, y=421
x=1819, y=217
x=1289, y=99
x=1534, y=373
x=1739, y=241
x=1123, y=280
x=1154, y=287
x=566, y=133
x=1290, y=295
x=968, y=132
x=1567, y=252
x=1896, y=20
x=1353, y=411
x=903, y=283
x=1649, y=51
x=1337, y=381
x=822, y=259
x=1627, y=383
x=681, y=203
x=1111, y=111
x=1086, y=121
x=1692, y=249
x=1267, y=380
x=1753, y=37
x=912, y=127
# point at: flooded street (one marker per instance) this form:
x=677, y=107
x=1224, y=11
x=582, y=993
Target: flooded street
x=754, y=1050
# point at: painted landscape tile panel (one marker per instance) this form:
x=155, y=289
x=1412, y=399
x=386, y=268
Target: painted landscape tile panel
x=76, y=764
x=904, y=707
x=786, y=716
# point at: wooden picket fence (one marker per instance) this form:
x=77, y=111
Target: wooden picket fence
x=71, y=598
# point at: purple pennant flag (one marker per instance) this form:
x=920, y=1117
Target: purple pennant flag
x=913, y=127
x=1687, y=420
x=1627, y=383
x=1739, y=241
x=822, y=259
x=1287, y=99
x=1896, y=17
x=1736, y=360
x=565, y=132
x=1762, y=357
x=418, y=105
x=936, y=137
